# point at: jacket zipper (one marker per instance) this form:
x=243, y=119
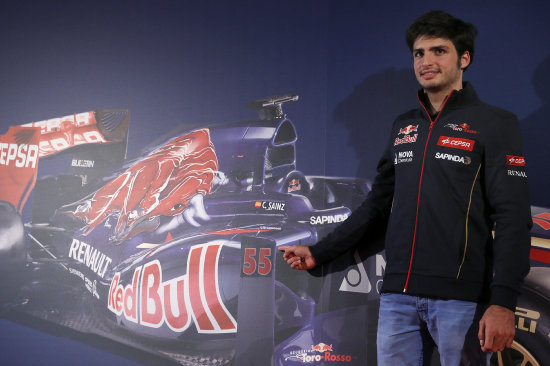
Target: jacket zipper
x=420, y=183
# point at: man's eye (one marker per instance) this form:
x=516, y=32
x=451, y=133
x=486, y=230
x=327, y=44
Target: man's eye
x=418, y=54
x=439, y=51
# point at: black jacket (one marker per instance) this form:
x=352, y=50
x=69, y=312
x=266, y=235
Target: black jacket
x=444, y=184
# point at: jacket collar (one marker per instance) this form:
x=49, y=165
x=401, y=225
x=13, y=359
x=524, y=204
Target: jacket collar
x=457, y=99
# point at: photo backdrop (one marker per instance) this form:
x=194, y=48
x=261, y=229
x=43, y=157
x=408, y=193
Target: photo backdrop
x=174, y=63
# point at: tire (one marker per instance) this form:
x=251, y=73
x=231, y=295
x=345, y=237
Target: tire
x=532, y=341
x=13, y=252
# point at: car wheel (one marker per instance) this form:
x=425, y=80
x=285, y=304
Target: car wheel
x=515, y=356
x=531, y=342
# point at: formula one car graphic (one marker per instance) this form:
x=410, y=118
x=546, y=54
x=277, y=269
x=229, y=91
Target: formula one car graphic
x=174, y=252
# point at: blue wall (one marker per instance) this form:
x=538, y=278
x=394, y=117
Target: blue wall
x=174, y=62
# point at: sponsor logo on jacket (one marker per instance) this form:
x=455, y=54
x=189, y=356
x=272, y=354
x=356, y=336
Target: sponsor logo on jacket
x=407, y=130
x=408, y=138
x=517, y=173
x=515, y=160
x=456, y=143
x=463, y=127
x=403, y=157
x=456, y=158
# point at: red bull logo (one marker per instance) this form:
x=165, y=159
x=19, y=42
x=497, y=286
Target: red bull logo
x=407, y=130
x=405, y=140
x=193, y=297
x=321, y=347
x=294, y=186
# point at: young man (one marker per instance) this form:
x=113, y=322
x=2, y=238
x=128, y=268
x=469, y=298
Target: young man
x=452, y=173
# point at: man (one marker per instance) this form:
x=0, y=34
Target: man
x=452, y=172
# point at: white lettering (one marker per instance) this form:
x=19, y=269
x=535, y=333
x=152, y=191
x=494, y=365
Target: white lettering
x=516, y=173
x=456, y=158
x=270, y=206
x=327, y=219
x=90, y=257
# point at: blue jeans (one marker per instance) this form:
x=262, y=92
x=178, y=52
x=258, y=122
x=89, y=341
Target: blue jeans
x=409, y=327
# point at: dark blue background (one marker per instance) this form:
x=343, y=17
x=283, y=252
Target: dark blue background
x=177, y=62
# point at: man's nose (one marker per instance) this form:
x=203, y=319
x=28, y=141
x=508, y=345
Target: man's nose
x=428, y=59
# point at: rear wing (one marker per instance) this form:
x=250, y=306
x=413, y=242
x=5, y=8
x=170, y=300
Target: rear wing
x=22, y=147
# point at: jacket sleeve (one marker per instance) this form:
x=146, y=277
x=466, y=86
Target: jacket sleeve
x=374, y=210
x=507, y=194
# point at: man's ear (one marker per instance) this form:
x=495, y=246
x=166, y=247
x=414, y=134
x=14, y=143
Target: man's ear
x=465, y=60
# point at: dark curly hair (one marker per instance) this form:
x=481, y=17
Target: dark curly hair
x=437, y=23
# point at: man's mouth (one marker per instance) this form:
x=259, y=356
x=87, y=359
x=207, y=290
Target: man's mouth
x=429, y=74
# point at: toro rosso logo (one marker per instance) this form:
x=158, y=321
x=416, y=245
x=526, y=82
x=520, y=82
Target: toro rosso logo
x=456, y=143
x=152, y=302
x=463, y=127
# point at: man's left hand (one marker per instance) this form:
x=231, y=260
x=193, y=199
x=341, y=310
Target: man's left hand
x=496, y=329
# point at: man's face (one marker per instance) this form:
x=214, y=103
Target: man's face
x=437, y=65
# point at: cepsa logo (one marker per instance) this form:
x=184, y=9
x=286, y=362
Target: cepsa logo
x=456, y=143
x=152, y=302
x=515, y=160
x=21, y=156
x=58, y=134
x=326, y=355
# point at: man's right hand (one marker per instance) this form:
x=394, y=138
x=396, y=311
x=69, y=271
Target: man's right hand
x=298, y=256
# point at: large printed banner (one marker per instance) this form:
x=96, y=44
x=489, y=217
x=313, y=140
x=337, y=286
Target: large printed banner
x=19, y=152
x=174, y=252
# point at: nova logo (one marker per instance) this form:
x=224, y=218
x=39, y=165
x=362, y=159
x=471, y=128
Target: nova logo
x=403, y=157
x=151, y=301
